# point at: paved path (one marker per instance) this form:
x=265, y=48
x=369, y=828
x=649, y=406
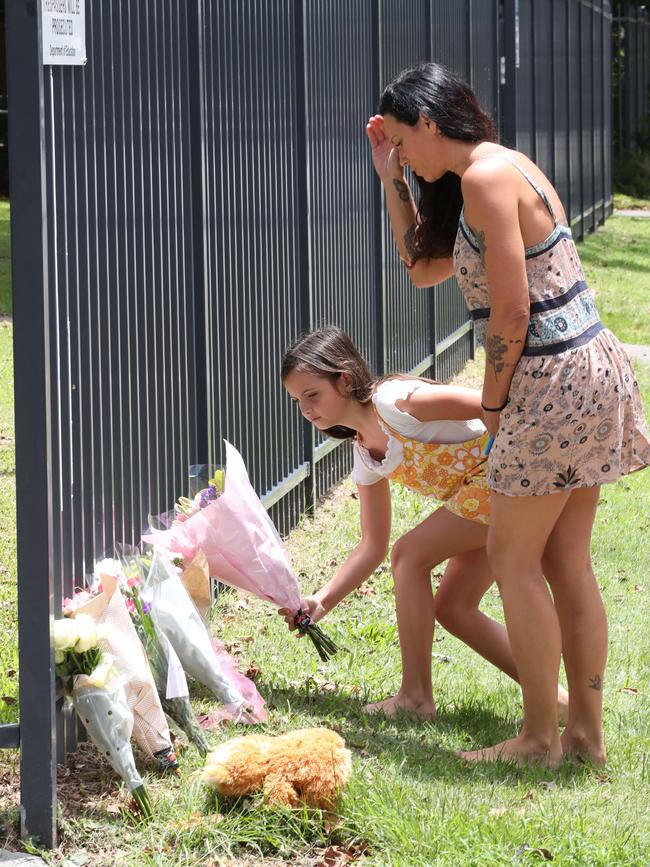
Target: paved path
x=640, y=353
x=633, y=212
x=18, y=859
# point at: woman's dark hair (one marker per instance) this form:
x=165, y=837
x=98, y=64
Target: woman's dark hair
x=330, y=352
x=444, y=97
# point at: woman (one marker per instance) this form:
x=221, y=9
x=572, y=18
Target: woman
x=558, y=395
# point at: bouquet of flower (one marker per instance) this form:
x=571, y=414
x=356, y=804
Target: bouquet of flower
x=166, y=667
x=99, y=699
x=107, y=608
x=206, y=485
x=176, y=617
x=186, y=507
x=242, y=547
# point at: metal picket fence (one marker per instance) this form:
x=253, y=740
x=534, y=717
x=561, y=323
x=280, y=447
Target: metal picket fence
x=631, y=42
x=188, y=202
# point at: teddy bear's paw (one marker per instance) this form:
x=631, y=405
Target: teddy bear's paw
x=278, y=790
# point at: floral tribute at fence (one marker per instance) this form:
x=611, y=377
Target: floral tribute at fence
x=130, y=639
x=241, y=545
x=97, y=692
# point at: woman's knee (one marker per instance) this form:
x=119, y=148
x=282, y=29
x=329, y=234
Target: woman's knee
x=568, y=571
x=512, y=562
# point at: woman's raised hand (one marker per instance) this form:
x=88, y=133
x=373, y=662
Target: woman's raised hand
x=385, y=157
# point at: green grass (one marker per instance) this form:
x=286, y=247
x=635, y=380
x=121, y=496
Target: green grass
x=410, y=802
x=5, y=260
x=616, y=259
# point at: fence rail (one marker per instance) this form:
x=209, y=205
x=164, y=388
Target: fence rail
x=631, y=42
x=187, y=203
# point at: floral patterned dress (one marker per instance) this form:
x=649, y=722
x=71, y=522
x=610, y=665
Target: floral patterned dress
x=452, y=473
x=574, y=417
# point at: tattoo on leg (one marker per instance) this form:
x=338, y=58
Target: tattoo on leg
x=402, y=189
x=409, y=242
x=496, y=348
x=596, y=682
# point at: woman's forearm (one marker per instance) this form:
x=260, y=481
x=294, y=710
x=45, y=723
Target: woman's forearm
x=403, y=222
x=402, y=214
x=506, y=336
x=361, y=563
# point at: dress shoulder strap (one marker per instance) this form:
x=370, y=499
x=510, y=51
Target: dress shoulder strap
x=540, y=192
x=388, y=429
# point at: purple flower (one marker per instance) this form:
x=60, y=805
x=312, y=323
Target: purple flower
x=146, y=607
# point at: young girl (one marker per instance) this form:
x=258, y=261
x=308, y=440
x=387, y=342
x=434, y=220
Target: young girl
x=430, y=438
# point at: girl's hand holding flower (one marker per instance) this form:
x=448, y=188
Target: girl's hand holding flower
x=310, y=605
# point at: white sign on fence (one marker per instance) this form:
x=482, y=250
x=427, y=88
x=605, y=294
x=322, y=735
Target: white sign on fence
x=64, y=32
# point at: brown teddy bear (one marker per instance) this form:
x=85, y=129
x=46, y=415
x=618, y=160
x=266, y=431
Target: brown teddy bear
x=308, y=766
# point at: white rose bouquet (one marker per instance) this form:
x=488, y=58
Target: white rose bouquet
x=99, y=698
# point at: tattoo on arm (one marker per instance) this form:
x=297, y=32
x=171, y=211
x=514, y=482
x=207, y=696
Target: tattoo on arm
x=495, y=349
x=596, y=682
x=402, y=189
x=409, y=242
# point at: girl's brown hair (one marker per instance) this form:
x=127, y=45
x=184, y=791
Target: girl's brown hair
x=330, y=352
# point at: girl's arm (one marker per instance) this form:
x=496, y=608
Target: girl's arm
x=375, y=517
x=433, y=402
x=492, y=211
x=401, y=208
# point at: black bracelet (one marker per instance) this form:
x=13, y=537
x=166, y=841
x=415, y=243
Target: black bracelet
x=493, y=408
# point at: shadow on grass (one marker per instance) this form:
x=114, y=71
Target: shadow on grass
x=425, y=750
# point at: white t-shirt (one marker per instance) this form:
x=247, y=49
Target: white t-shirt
x=366, y=470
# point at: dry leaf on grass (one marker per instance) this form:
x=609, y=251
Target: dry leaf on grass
x=338, y=856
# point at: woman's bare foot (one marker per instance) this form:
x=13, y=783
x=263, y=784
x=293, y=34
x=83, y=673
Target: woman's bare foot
x=581, y=749
x=519, y=750
x=390, y=707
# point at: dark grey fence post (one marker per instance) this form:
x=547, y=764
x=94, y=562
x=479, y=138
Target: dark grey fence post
x=32, y=407
x=304, y=244
x=376, y=205
x=509, y=90
x=196, y=62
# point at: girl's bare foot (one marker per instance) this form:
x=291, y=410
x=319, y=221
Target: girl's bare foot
x=578, y=747
x=519, y=750
x=562, y=708
x=562, y=705
x=390, y=707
